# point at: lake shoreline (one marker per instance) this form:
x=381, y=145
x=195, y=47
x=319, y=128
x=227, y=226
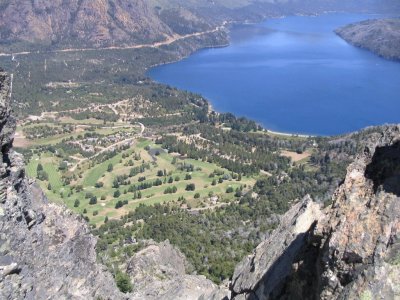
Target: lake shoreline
x=327, y=118
x=228, y=25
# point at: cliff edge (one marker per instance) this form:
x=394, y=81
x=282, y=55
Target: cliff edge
x=350, y=250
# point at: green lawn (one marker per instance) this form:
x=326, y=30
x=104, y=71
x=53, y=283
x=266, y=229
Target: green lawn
x=90, y=176
x=94, y=174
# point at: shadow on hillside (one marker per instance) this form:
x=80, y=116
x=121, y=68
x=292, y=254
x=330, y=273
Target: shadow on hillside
x=384, y=169
x=285, y=281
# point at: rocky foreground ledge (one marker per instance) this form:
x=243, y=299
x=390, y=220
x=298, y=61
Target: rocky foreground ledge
x=379, y=36
x=350, y=250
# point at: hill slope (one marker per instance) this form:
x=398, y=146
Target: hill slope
x=27, y=25
x=89, y=22
x=379, y=36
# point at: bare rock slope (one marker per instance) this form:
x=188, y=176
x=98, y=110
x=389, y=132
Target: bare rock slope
x=350, y=250
x=159, y=272
x=379, y=36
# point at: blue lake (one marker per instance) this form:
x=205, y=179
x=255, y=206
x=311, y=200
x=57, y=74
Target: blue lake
x=293, y=75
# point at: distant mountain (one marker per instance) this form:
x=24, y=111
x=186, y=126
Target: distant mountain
x=101, y=23
x=97, y=23
x=379, y=36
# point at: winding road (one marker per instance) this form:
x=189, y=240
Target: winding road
x=168, y=41
x=109, y=148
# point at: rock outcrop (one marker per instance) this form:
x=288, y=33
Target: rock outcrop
x=250, y=278
x=159, y=272
x=351, y=250
x=380, y=36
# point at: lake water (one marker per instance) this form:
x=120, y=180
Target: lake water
x=293, y=75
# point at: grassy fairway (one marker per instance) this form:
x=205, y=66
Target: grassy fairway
x=150, y=164
x=94, y=174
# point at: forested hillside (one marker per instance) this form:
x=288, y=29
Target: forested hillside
x=379, y=36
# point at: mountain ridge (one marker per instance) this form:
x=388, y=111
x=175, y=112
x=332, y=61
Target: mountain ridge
x=65, y=24
x=380, y=36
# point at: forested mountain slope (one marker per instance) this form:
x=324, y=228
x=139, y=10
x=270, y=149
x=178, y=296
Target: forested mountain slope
x=99, y=23
x=380, y=36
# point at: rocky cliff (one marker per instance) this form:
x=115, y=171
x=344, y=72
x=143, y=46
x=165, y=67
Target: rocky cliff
x=159, y=272
x=350, y=250
x=379, y=36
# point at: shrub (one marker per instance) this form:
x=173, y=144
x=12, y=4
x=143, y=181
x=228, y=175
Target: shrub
x=99, y=184
x=93, y=200
x=190, y=187
x=229, y=190
x=119, y=204
x=123, y=282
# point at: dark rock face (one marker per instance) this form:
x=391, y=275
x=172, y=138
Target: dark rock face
x=262, y=274
x=379, y=36
x=384, y=169
x=45, y=251
x=351, y=250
